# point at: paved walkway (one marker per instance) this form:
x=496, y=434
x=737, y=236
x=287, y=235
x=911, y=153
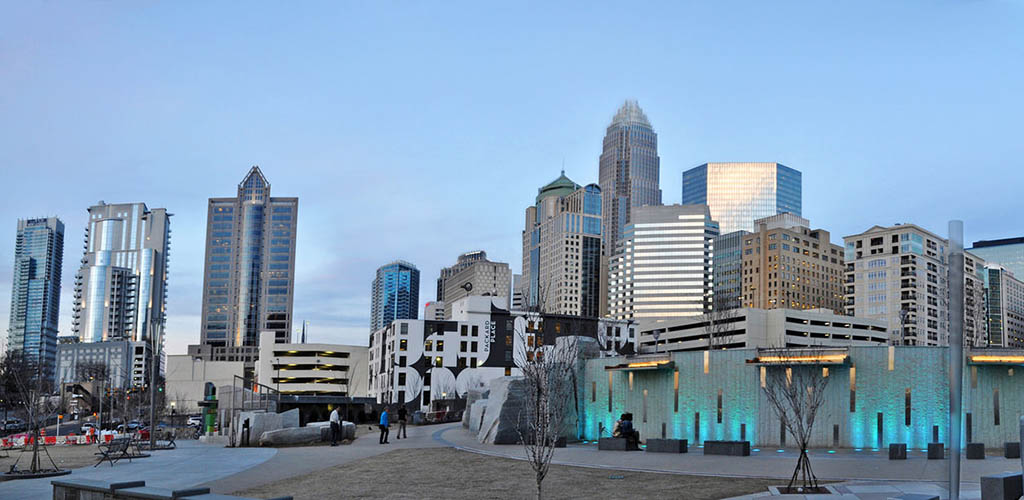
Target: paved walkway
x=189, y=464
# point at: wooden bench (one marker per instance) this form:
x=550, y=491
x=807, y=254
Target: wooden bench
x=731, y=448
x=115, y=450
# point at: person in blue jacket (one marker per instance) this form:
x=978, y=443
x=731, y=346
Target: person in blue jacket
x=384, y=426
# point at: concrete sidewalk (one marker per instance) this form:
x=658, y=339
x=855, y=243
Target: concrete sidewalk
x=191, y=463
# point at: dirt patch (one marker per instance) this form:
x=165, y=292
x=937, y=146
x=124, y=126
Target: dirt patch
x=66, y=457
x=450, y=473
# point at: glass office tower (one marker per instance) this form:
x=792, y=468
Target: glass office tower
x=1007, y=252
x=35, y=291
x=121, y=287
x=249, y=280
x=629, y=174
x=396, y=294
x=740, y=193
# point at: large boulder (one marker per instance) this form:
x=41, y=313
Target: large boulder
x=474, y=414
x=261, y=421
x=348, y=430
x=472, y=396
x=290, y=436
x=500, y=422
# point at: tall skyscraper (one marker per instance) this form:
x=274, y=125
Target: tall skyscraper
x=482, y=277
x=121, y=286
x=396, y=294
x=249, y=276
x=901, y=274
x=739, y=193
x=563, y=267
x=465, y=260
x=727, y=270
x=35, y=292
x=663, y=267
x=629, y=170
x=1006, y=252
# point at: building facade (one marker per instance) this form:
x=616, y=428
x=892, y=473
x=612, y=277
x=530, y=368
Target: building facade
x=563, y=267
x=478, y=278
x=249, y=274
x=787, y=264
x=35, y=292
x=663, y=267
x=396, y=294
x=312, y=369
x=1006, y=252
x=121, y=285
x=629, y=173
x=415, y=362
x=127, y=362
x=740, y=193
x=1004, y=305
x=727, y=270
x=518, y=293
x=187, y=377
x=747, y=327
x=465, y=260
x=434, y=310
x=900, y=274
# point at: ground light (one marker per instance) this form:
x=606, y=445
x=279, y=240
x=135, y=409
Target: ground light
x=831, y=451
x=780, y=451
x=755, y=450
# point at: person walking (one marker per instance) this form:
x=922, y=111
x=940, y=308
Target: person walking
x=402, y=414
x=335, y=426
x=384, y=426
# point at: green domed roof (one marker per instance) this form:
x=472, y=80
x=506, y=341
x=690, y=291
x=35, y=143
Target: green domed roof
x=561, y=186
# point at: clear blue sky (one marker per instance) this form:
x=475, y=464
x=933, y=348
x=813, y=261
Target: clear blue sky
x=419, y=130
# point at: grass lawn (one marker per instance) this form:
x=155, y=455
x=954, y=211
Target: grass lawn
x=450, y=473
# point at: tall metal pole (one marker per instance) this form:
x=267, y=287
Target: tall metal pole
x=155, y=360
x=956, y=351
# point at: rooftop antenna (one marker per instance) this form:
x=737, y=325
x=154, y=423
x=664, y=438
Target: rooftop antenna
x=563, y=165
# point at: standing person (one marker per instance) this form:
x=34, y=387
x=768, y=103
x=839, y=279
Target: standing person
x=384, y=426
x=401, y=423
x=335, y=426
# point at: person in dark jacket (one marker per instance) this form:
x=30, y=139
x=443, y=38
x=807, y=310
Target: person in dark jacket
x=402, y=415
x=384, y=426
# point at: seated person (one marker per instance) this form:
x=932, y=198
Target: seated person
x=617, y=428
x=626, y=429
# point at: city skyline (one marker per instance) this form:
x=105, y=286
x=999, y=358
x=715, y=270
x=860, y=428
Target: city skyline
x=149, y=136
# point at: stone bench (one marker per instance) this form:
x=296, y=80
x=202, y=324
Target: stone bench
x=915, y=496
x=74, y=489
x=1011, y=449
x=1005, y=486
x=936, y=451
x=153, y=493
x=897, y=451
x=87, y=489
x=731, y=448
x=616, y=444
x=667, y=446
x=975, y=451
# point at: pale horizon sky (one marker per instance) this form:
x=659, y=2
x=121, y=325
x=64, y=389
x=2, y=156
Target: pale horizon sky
x=421, y=130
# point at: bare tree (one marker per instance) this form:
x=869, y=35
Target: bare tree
x=796, y=392
x=548, y=373
x=33, y=391
x=718, y=319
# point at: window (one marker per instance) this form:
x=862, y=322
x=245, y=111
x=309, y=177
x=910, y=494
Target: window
x=401, y=378
x=428, y=345
x=464, y=330
x=476, y=330
x=402, y=344
x=437, y=361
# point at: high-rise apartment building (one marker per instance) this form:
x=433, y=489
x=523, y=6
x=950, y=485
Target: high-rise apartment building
x=35, y=292
x=788, y=265
x=1004, y=300
x=1006, y=252
x=465, y=260
x=121, y=286
x=630, y=170
x=663, y=267
x=727, y=270
x=396, y=294
x=901, y=274
x=518, y=293
x=482, y=277
x=563, y=266
x=249, y=276
x=740, y=193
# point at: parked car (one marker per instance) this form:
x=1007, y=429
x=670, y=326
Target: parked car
x=14, y=425
x=86, y=427
x=195, y=421
x=134, y=425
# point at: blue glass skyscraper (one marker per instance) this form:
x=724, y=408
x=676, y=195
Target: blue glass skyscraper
x=396, y=294
x=739, y=193
x=35, y=294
